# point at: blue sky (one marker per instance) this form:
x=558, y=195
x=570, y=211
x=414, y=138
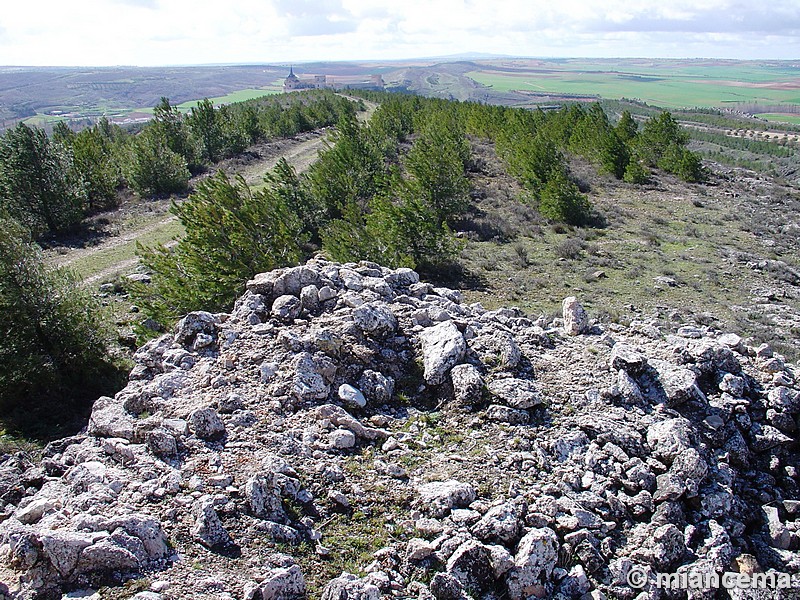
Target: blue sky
x=162, y=32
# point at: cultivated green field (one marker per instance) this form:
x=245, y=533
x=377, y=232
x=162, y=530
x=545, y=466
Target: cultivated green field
x=237, y=96
x=669, y=84
x=780, y=118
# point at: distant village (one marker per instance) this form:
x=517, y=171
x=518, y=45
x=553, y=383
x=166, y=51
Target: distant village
x=293, y=82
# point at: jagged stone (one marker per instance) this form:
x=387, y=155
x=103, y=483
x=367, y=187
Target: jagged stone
x=467, y=384
x=36, y=509
x=441, y=496
x=350, y=587
x=678, y=384
x=376, y=386
x=206, y=424
x=291, y=281
x=576, y=321
x=628, y=388
x=498, y=350
x=628, y=359
x=308, y=383
x=342, y=439
x=263, y=497
x=162, y=443
x=110, y=419
x=516, y=393
x=445, y=586
x=669, y=438
x=668, y=547
x=443, y=347
x=286, y=307
x=536, y=556
x=285, y=583
x=208, y=529
x=309, y=298
x=501, y=524
x=471, y=566
x=199, y=322
x=375, y=319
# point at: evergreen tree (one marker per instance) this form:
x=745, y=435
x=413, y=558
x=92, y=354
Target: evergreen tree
x=62, y=134
x=53, y=344
x=683, y=163
x=153, y=168
x=348, y=172
x=662, y=143
x=593, y=137
x=407, y=231
x=171, y=125
x=635, y=172
x=562, y=201
x=95, y=164
x=436, y=161
x=231, y=233
x=37, y=186
x=626, y=128
x=657, y=135
x=206, y=130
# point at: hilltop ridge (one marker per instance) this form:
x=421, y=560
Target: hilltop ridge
x=349, y=431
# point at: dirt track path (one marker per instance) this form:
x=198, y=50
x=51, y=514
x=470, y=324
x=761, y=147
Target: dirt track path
x=116, y=253
x=300, y=153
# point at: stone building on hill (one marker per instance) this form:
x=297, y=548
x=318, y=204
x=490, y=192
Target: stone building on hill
x=293, y=82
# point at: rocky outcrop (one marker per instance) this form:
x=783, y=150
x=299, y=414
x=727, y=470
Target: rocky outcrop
x=350, y=417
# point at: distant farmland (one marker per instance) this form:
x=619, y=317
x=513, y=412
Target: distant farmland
x=78, y=96
x=666, y=83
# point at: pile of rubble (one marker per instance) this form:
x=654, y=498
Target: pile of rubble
x=493, y=455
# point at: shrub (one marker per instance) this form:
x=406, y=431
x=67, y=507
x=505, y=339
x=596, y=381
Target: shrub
x=683, y=163
x=635, y=173
x=569, y=249
x=231, y=233
x=562, y=201
x=154, y=168
x=53, y=344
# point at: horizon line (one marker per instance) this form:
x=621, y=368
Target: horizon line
x=444, y=58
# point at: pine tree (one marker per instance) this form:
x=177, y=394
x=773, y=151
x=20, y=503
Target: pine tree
x=153, y=168
x=206, y=130
x=347, y=172
x=562, y=201
x=95, y=164
x=626, y=128
x=36, y=182
x=231, y=233
x=436, y=161
x=53, y=343
x=171, y=124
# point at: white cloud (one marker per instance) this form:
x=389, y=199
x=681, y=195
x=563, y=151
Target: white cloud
x=151, y=32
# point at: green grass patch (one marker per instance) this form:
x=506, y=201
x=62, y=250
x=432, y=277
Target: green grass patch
x=103, y=260
x=780, y=118
x=237, y=96
x=679, y=86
